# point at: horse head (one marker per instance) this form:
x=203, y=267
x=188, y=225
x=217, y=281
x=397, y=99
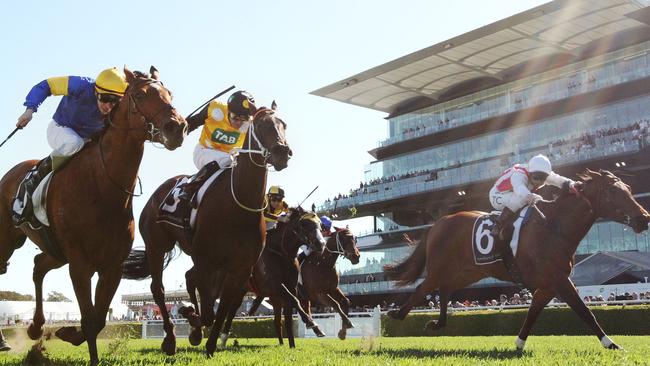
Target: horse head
x=267, y=129
x=612, y=199
x=307, y=228
x=151, y=101
x=346, y=244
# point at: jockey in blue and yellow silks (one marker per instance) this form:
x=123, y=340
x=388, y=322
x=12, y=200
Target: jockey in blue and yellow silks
x=79, y=116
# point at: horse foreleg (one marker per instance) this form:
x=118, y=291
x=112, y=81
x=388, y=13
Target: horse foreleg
x=156, y=260
x=256, y=305
x=223, y=338
x=340, y=297
x=345, y=321
x=292, y=301
x=541, y=297
x=420, y=291
x=433, y=325
x=288, y=324
x=277, y=318
x=569, y=294
x=43, y=263
x=231, y=295
x=81, y=276
x=10, y=238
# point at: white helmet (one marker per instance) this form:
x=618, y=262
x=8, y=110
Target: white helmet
x=539, y=163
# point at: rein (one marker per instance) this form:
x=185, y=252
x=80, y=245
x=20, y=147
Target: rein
x=149, y=129
x=250, y=151
x=339, y=246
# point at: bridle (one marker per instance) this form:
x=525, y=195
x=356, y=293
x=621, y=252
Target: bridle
x=607, y=201
x=339, y=246
x=261, y=150
x=150, y=130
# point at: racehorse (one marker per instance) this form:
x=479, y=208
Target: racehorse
x=276, y=272
x=544, y=256
x=89, y=206
x=229, y=232
x=320, y=280
x=302, y=226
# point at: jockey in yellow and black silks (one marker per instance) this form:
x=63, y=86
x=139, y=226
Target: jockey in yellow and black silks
x=80, y=115
x=276, y=208
x=224, y=129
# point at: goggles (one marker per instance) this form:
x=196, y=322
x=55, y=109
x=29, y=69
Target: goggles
x=108, y=98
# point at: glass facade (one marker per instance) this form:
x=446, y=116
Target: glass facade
x=612, y=69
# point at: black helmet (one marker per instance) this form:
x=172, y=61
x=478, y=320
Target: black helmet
x=241, y=103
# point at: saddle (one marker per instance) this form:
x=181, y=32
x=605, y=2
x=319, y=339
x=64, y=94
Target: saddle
x=489, y=249
x=181, y=203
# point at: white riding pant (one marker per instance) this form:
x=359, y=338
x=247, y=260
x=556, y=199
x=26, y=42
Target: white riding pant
x=204, y=155
x=509, y=199
x=64, y=141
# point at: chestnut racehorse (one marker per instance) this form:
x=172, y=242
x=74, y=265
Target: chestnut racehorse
x=229, y=233
x=544, y=256
x=89, y=206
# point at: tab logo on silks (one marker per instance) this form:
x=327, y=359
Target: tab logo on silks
x=225, y=137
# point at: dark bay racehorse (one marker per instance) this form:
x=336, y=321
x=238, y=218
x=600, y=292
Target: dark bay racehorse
x=320, y=280
x=303, y=226
x=276, y=272
x=229, y=232
x=89, y=205
x=544, y=257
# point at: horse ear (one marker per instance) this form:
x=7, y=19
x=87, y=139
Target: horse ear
x=274, y=106
x=154, y=72
x=129, y=75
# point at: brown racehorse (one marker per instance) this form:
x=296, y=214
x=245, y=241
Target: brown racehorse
x=229, y=232
x=302, y=227
x=276, y=272
x=320, y=279
x=544, y=257
x=89, y=205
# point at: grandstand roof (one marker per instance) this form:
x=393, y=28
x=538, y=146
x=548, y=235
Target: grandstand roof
x=602, y=267
x=558, y=29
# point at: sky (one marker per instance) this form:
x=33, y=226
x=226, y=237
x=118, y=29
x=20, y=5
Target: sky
x=277, y=50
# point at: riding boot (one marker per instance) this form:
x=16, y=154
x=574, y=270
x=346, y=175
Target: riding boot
x=22, y=205
x=189, y=189
x=502, y=223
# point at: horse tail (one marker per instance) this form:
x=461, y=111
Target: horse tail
x=409, y=270
x=136, y=266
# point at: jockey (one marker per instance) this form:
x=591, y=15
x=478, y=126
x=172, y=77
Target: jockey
x=326, y=230
x=276, y=209
x=515, y=188
x=224, y=129
x=80, y=115
x=4, y=346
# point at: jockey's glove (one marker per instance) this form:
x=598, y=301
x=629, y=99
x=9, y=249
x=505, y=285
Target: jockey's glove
x=533, y=198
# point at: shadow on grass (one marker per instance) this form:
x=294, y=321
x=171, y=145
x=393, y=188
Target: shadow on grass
x=495, y=354
x=201, y=349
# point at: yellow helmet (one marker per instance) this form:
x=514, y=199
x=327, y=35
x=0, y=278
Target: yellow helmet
x=111, y=81
x=276, y=191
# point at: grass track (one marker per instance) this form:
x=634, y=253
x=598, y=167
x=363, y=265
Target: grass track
x=496, y=350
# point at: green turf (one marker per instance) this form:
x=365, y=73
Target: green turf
x=496, y=350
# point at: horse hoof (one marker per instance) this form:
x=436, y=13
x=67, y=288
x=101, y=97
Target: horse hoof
x=520, y=344
x=186, y=311
x=169, y=346
x=614, y=346
x=342, y=334
x=432, y=326
x=70, y=335
x=195, y=336
x=33, y=332
x=318, y=332
x=209, y=349
x=394, y=314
